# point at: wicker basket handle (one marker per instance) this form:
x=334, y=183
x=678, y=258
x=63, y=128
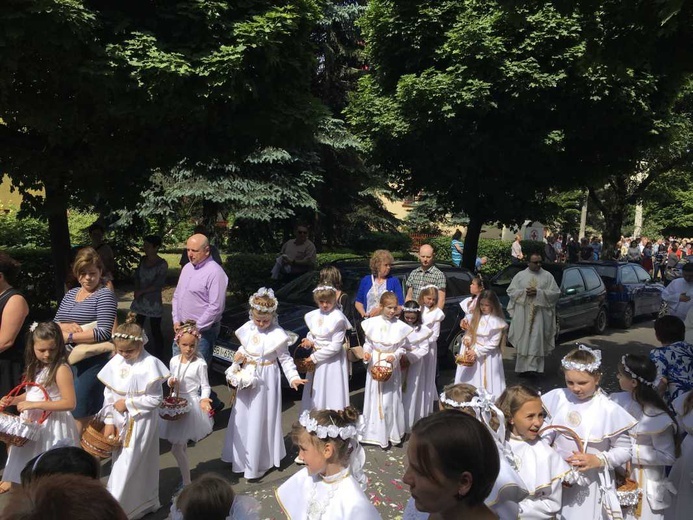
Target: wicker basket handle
x=567, y=431
x=17, y=389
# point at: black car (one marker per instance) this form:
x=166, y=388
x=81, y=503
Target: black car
x=582, y=303
x=630, y=290
x=296, y=299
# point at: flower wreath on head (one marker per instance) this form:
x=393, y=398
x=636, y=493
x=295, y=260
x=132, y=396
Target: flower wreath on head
x=349, y=433
x=429, y=286
x=269, y=309
x=633, y=375
x=187, y=328
x=324, y=288
x=584, y=367
x=411, y=309
x=129, y=337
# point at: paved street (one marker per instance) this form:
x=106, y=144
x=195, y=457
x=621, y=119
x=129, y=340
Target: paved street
x=384, y=468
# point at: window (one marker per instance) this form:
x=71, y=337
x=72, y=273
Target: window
x=573, y=280
x=457, y=283
x=643, y=276
x=592, y=279
x=628, y=275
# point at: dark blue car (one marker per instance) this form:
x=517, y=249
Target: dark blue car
x=630, y=290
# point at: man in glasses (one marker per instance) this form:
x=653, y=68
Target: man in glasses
x=533, y=295
x=297, y=256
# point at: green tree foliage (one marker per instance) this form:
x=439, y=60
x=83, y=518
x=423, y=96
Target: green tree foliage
x=112, y=90
x=489, y=104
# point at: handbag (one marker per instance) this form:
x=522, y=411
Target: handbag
x=86, y=350
x=353, y=346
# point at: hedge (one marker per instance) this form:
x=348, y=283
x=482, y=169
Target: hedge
x=497, y=251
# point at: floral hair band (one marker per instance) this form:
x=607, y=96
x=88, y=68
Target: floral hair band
x=324, y=288
x=429, y=286
x=264, y=291
x=584, y=367
x=187, y=329
x=633, y=375
x=323, y=432
x=411, y=309
x=121, y=335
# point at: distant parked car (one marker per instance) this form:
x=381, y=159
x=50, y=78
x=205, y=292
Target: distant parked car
x=582, y=303
x=630, y=290
x=296, y=299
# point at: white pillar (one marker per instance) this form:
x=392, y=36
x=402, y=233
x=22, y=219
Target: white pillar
x=583, y=218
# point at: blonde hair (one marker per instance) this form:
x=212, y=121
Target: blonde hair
x=129, y=328
x=428, y=291
x=86, y=257
x=325, y=295
x=496, y=310
x=379, y=257
x=584, y=357
x=512, y=399
x=330, y=275
x=464, y=393
x=387, y=296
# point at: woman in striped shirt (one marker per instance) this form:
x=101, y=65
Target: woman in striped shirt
x=86, y=316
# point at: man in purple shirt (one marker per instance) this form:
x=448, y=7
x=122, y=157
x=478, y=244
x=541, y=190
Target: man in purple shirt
x=201, y=296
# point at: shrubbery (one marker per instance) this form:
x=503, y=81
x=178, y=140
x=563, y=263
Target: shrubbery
x=393, y=242
x=36, y=280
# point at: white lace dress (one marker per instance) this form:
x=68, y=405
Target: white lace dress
x=413, y=377
x=59, y=426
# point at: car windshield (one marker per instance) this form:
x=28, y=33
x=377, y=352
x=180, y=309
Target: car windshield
x=300, y=290
x=608, y=271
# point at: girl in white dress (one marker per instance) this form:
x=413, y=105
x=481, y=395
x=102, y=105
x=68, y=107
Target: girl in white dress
x=483, y=342
x=411, y=363
x=682, y=472
x=432, y=317
x=212, y=498
x=254, y=440
x=601, y=425
x=508, y=489
x=468, y=304
x=332, y=484
x=133, y=392
x=540, y=467
x=328, y=384
x=46, y=365
x=653, y=437
x=452, y=465
x=383, y=412
x=188, y=380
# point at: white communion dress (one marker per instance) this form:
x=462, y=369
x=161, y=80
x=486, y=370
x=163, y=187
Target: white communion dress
x=413, y=377
x=193, y=385
x=328, y=386
x=432, y=318
x=58, y=427
x=134, y=479
x=383, y=411
x=254, y=440
x=681, y=473
x=316, y=497
x=602, y=426
x=487, y=372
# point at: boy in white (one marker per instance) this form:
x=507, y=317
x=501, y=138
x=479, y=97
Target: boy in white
x=328, y=385
x=416, y=346
x=653, y=437
x=540, y=467
x=332, y=483
x=254, y=441
x=133, y=379
x=383, y=412
x=602, y=427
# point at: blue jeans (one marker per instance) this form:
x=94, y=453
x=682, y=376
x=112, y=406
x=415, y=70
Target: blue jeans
x=206, y=348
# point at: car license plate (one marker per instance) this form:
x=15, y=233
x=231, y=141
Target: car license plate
x=223, y=353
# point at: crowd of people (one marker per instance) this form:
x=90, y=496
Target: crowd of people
x=478, y=450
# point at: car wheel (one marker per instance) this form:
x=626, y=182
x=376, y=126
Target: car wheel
x=600, y=322
x=453, y=349
x=627, y=317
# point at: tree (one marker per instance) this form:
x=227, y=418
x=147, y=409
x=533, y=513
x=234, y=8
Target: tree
x=112, y=91
x=489, y=105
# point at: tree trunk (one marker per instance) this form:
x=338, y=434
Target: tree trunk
x=471, y=241
x=56, y=209
x=613, y=222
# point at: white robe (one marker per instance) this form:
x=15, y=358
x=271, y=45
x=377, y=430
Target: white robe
x=193, y=385
x=432, y=318
x=328, y=386
x=254, y=440
x=413, y=392
x=383, y=411
x=681, y=474
x=508, y=490
x=338, y=497
x=58, y=427
x=604, y=426
x=487, y=372
x=534, y=339
x=134, y=479
x=467, y=305
x=653, y=450
x=542, y=470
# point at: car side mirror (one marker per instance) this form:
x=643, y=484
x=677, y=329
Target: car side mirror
x=570, y=291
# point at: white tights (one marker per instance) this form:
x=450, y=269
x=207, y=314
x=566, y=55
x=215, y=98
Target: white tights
x=180, y=452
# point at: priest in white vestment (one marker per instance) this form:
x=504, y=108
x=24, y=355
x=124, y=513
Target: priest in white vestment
x=533, y=294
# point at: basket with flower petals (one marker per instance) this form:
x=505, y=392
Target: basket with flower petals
x=382, y=371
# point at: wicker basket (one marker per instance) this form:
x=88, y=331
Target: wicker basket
x=304, y=364
x=382, y=371
x=465, y=359
x=173, y=408
x=13, y=430
x=570, y=433
x=627, y=489
x=95, y=442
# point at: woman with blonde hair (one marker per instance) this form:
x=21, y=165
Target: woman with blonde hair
x=374, y=285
